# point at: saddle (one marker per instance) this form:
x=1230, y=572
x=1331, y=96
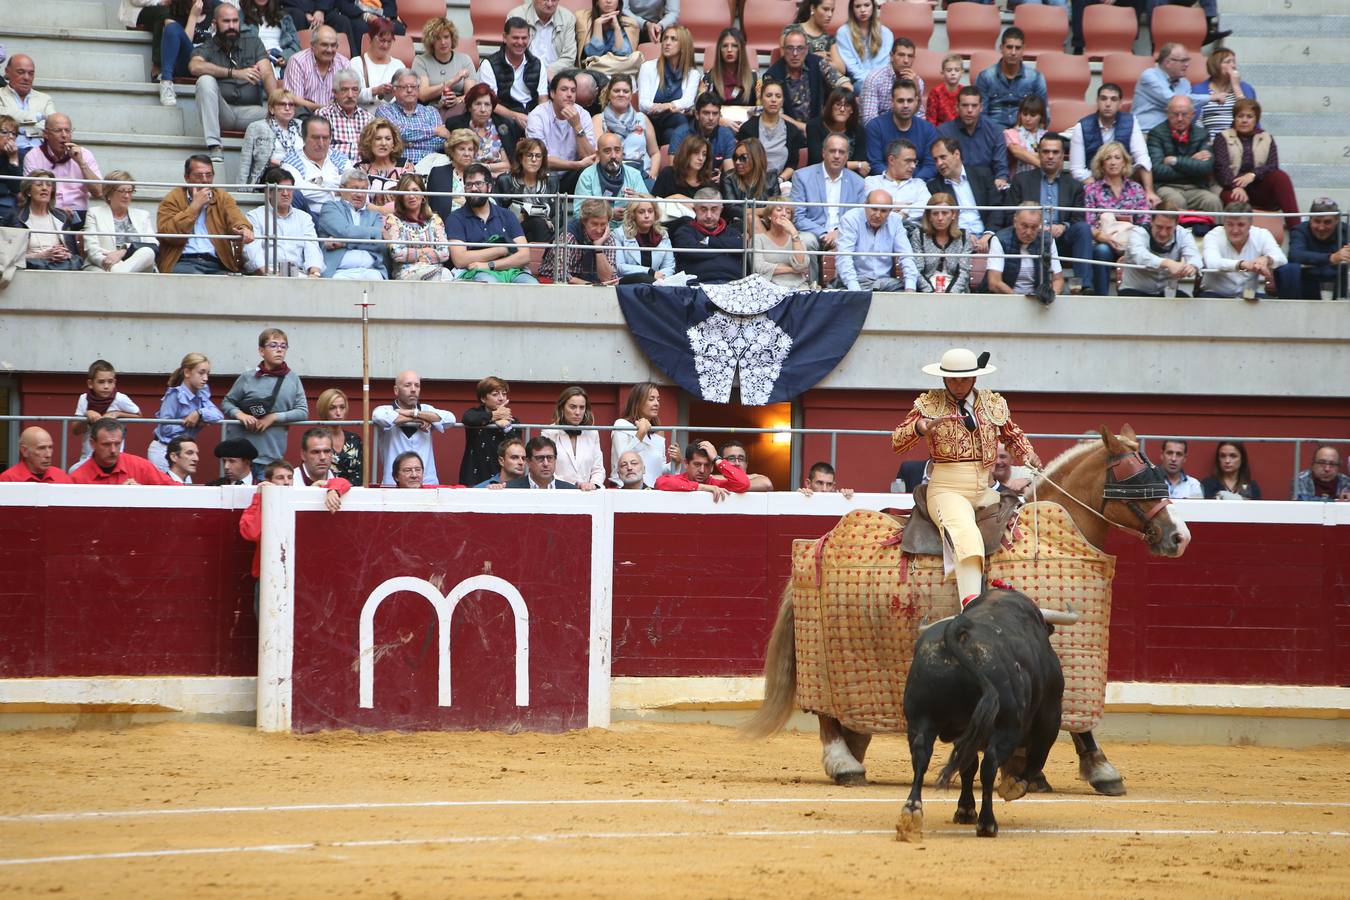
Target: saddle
x=922, y=537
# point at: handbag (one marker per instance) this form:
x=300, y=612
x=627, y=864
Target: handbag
x=256, y=406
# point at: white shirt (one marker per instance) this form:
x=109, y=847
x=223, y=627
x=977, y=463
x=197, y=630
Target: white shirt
x=833, y=187
x=542, y=45
x=178, y=478
x=585, y=465
x=1188, y=489
x=378, y=75
x=1219, y=255
x=1024, y=284
x=315, y=181
x=121, y=403
x=652, y=449
x=909, y=196
x=535, y=486
x=302, y=254
x=968, y=218
x=393, y=441
x=1081, y=167
x=519, y=91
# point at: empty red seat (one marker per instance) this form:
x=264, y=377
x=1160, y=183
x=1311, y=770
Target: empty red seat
x=906, y=18
x=1178, y=24
x=417, y=13
x=1066, y=77
x=981, y=60
x=764, y=22
x=1109, y=29
x=972, y=26
x=1124, y=69
x=1046, y=27
x=1064, y=113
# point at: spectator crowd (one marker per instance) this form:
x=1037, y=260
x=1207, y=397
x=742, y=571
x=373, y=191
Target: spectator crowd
x=596, y=133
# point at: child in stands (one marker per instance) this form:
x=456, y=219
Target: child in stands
x=100, y=399
x=942, y=98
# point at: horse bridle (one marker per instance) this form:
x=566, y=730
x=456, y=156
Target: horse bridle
x=1133, y=480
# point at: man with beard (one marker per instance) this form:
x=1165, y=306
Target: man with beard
x=64, y=158
x=609, y=177
x=480, y=221
x=632, y=471
x=234, y=74
x=406, y=424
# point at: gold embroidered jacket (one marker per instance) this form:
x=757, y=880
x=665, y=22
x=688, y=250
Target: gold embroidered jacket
x=948, y=438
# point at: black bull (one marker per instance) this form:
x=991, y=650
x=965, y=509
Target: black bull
x=988, y=681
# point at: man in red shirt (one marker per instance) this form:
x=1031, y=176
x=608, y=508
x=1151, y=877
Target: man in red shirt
x=109, y=465
x=35, y=460
x=282, y=474
x=700, y=462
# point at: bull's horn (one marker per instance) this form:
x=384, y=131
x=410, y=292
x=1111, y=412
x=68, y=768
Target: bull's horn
x=925, y=625
x=1056, y=617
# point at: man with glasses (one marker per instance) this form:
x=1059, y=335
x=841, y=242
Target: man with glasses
x=196, y=212
x=64, y=158
x=266, y=401
x=407, y=424
x=541, y=459
x=734, y=452
x=352, y=233
x=234, y=74
x=1183, y=160
x=909, y=194
x=480, y=221
x=309, y=74
x=803, y=77
x=346, y=115
x=420, y=126
x=1324, y=480
x=1159, y=85
x=1319, y=251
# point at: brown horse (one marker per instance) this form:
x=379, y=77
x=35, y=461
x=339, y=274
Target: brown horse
x=1101, y=484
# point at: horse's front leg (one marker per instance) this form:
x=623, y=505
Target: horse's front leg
x=1094, y=768
x=842, y=752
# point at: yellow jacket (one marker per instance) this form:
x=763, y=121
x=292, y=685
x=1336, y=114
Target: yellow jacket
x=950, y=441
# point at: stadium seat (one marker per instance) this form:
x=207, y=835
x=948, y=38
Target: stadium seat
x=1046, y=27
x=1064, y=113
x=1270, y=220
x=1124, y=69
x=402, y=50
x=344, y=45
x=416, y=13
x=908, y=19
x=928, y=63
x=764, y=21
x=487, y=18
x=650, y=50
x=575, y=5
x=972, y=27
x=1108, y=29
x=981, y=60
x=705, y=21
x=1066, y=76
x=1179, y=24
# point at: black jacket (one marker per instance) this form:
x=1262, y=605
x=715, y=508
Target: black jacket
x=796, y=140
x=506, y=130
x=982, y=186
x=1027, y=186
x=709, y=268
x=524, y=482
x=481, y=438
x=441, y=179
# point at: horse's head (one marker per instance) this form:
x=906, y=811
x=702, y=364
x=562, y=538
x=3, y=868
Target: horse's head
x=1135, y=495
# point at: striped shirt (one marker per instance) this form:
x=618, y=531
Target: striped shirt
x=303, y=78
x=347, y=129
x=418, y=130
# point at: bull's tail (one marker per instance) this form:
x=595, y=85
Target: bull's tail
x=780, y=675
x=976, y=735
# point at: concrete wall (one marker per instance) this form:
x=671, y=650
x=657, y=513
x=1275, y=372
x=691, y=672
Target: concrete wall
x=58, y=322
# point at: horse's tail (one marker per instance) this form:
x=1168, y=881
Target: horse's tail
x=780, y=675
x=977, y=732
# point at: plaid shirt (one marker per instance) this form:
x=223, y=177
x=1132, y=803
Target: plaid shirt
x=347, y=129
x=579, y=259
x=303, y=78
x=874, y=96
x=418, y=130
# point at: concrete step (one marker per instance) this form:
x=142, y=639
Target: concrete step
x=1286, y=51
x=1319, y=100
x=137, y=94
x=1281, y=8
x=115, y=117
x=1314, y=176
x=1295, y=27
x=1315, y=151
x=1296, y=123
x=155, y=157
x=69, y=13
x=110, y=67
x=1294, y=73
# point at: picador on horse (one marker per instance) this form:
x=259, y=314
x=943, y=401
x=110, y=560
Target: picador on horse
x=848, y=631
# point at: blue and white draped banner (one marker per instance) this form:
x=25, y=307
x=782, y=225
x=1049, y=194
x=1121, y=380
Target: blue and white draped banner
x=781, y=342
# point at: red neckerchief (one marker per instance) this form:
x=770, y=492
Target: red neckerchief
x=99, y=405
x=1182, y=137
x=281, y=372
x=721, y=227
x=56, y=155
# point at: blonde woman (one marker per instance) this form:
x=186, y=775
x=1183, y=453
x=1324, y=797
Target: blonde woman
x=381, y=151
x=268, y=140
x=863, y=44
x=579, y=458
x=607, y=39
x=188, y=399
x=942, y=251
x=444, y=75
x=332, y=405
x=462, y=148
x=645, y=255
x=668, y=86
x=780, y=252
x=119, y=237
x=418, y=249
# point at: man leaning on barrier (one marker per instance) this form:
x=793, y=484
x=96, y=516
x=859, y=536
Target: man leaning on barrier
x=480, y=221
x=1319, y=250
x=874, y=229
x=1166, y=253
x=1019, y=269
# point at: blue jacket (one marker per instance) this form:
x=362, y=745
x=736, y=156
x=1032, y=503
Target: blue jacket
x=335, y=221
x=1306, y=250
x=629, y=255
x=1002, y=96
x=808, y=186
x=882, y=130
x=985, y=149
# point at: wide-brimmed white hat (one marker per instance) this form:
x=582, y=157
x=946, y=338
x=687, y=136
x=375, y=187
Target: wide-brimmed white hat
x=960, y=363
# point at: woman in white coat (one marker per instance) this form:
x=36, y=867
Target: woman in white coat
x=117, y=236
x=636, y=431
x=579, y=458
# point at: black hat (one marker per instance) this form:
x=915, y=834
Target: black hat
x=236, y=448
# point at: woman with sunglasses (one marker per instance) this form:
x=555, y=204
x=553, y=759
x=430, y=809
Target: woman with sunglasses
x=750, y=178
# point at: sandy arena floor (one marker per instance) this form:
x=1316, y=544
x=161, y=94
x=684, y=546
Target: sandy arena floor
x=640, y=811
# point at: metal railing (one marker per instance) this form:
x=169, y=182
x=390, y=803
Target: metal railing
x=562, y=208
x=527, y=430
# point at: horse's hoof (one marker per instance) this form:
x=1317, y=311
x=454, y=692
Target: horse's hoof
x=983, y=830
x=910, y=827
x=1098, y=772
x=851, y=779
x=1012, y=787
x=1037, y=784
x=965, y=815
